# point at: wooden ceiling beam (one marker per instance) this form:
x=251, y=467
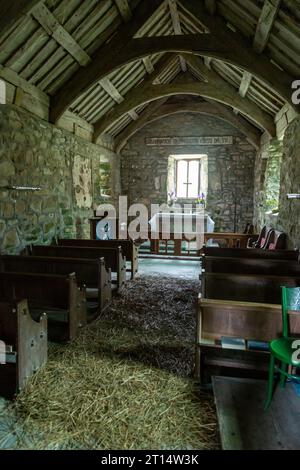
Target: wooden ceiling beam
x=104, y=59
x=258, y=115
x=148, y=64
x=265, y=24
x=211, y=45
x=177, y=27
x=205, y=90
x=120, y=110
x=245, y=84
x=142, y=121
x=12, y=11
x=114, y=93
x=52, y=27
x=160, y=109
x=124, y=10
x=240, y=51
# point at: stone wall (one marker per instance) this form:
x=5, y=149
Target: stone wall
x=72, y=173
x=267, y=181
x=289, y=210
x=144, y=169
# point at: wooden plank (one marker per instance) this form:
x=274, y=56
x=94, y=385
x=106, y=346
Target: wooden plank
x=142, y=121
x=245, y=84
x=241, y=53
x=148, y=64
x=12, y=77
x=50, y=24
x=228, y=423
x=275, y=429
x=210, y=45
x=265, y=24
x=177, y=27
x=206, y=90
x=124, y=9
x=102, y=57
x=111, y=90
x=12, y=11
x=106, y=121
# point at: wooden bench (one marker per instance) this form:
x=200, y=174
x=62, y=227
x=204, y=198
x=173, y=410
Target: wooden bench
x=58, y=296
x=279, y=267
x=24, y=344
x=90, y=273
x=251, y=253
x=248, y=320
x=114, y=259
x=231, y=239
x=129, y=249
x=246, y=287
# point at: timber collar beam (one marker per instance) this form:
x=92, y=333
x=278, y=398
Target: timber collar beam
x=211, y=109
x=225, y=95
x=220, y=44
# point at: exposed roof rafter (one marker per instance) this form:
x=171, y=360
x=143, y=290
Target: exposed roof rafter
x=265, y=24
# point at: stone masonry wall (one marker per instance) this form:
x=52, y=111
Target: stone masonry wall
x=73, y=174
x=144, y=169
x=289, y=210
x=267, y=182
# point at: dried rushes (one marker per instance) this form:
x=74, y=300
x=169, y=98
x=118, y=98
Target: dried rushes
x=93, y=394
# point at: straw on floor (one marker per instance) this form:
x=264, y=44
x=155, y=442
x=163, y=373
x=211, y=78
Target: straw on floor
x=124, y=382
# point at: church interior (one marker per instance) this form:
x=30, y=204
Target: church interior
x=149, y=225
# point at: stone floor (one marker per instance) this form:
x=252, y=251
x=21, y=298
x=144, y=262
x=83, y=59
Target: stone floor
x=182, y=269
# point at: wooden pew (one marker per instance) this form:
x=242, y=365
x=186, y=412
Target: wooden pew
x=246, y=287
x=113, y=257
x=89, y=272
x=279, y=267
x=248, y=320
x=251, y=253
x=24, y=346
x=129, y=249
x=231, y=239
x=58, y=296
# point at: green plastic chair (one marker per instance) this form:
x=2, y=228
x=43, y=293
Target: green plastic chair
x=283, y=349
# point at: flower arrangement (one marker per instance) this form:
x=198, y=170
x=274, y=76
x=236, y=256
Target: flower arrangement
x=172, y=197
x=201, y=199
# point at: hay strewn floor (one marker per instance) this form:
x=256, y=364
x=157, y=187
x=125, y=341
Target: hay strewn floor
x=124, y=383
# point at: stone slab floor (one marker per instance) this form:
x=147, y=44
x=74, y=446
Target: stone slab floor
x=180, y=269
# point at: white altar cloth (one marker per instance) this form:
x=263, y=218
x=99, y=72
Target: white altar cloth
x=186, y=220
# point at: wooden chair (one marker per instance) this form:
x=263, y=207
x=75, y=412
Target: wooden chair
x=276, y=240
x=261, y=241
x=284, y=350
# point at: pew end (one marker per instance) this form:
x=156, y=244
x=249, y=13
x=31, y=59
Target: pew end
x=25, y=341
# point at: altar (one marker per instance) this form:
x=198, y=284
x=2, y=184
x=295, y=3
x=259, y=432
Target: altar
x=179, y=233
x=182, y=222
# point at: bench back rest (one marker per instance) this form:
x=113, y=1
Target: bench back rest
x=129, y=249
x=48, y=290
x=251, y=253
x=270, y=267
x=87, y=270
x=276, y=240
x=246, y=288
x=111, y=256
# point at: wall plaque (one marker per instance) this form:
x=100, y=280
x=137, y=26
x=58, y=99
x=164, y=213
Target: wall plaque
x=165, y=141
